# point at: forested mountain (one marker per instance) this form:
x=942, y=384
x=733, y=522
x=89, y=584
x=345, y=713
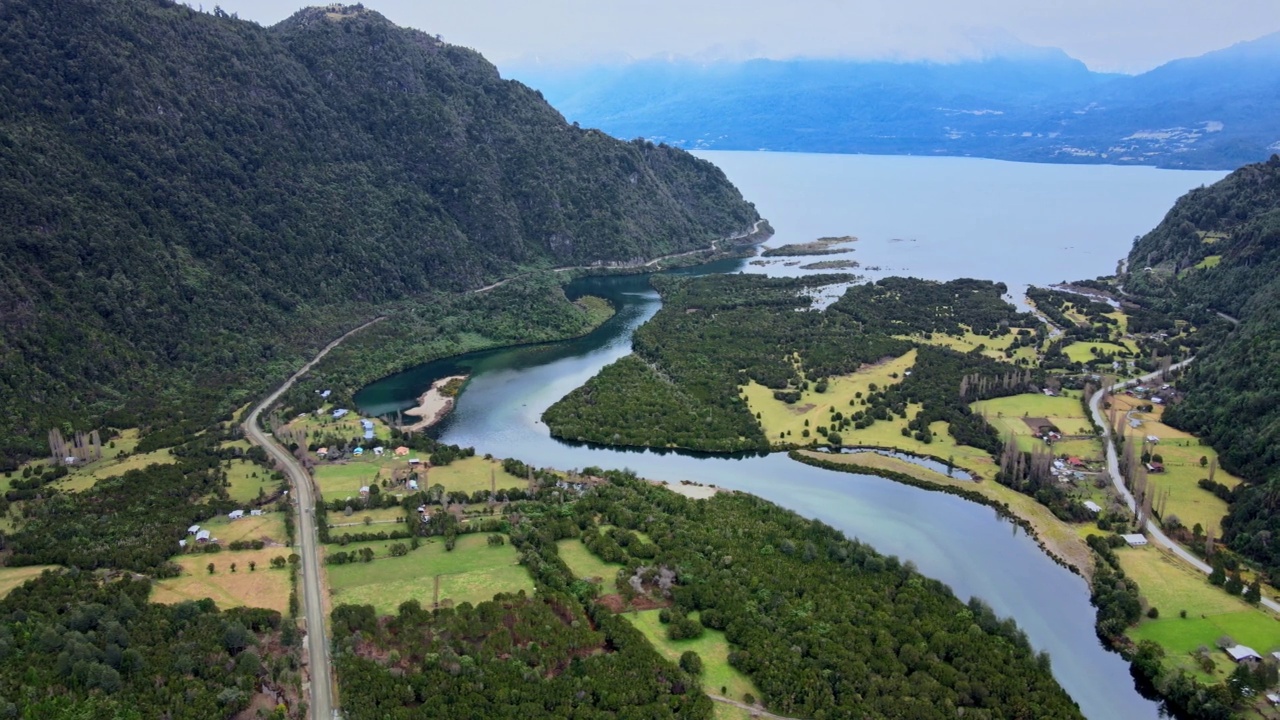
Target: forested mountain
x=1039, y=105
x=187, y=198
x=1218, y=250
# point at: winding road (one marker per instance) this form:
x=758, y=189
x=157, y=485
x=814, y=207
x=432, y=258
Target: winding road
x=1113, y=468
x=321, y=693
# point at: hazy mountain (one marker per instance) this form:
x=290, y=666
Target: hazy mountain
x=185, y=196
x=1215, y=111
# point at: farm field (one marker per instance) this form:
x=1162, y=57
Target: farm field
x=347, y=427
x=264, y=587
x=1083, y=352
x=345, y=478
x=266, y=527
x=248, y=480
x=1172, y=587
x=1010, y=416
x=1180, y=453
x=12, y=577
x=711, y=647
x=470, y=475
x=473, y=572
x=585, y=565
x=87, y=476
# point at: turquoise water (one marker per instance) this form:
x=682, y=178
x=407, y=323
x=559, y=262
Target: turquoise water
x=929, y=217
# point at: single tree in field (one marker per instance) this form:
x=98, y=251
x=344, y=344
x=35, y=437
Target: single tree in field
x=252, y=566
x=210, y=567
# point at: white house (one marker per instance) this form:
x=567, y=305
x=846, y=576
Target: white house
x=337, y=414
x=255, y=512
x=1153, y=439
x=413, y=484
x=202, y=536
x=235, y=514
x=364, y=491
x=379, y=450
x=193, y=529
x=1135, y=539
x=182, y=543
x=1241, y=653
x=1092, y=507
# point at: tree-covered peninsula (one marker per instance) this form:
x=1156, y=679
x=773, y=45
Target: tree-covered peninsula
x=715, y=337
x=189, y=203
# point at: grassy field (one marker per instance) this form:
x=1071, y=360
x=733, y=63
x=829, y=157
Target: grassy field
x=1065, y=412
x=268, y=526
x=1083, y=351
x=85, y=477
x=344, y=479
x=777, y=417
x=472, y=474
x=264, y=587
x=11, y=578
x=970, y=341
x=585, y=565
x=247, y=480
x=711, y=647
x=473, y=572
x=1171, y=587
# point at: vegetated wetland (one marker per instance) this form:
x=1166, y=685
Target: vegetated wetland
x=1086, y=229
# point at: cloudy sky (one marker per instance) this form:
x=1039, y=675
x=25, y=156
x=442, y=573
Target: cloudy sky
x=1110, y=35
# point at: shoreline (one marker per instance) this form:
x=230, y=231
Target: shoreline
x=433, y=405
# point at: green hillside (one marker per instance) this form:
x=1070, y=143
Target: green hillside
x=190, y=202
x=1233, y=398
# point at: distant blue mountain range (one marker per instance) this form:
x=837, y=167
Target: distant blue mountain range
x=1216, y=111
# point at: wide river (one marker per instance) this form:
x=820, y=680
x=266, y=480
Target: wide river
x=937, y=218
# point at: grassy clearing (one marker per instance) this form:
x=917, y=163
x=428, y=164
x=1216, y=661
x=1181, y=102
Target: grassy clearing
x=1151, y=424
x=712, y=647
x=264, y=587
x=993, y=348
x=87, y=476
x=777, y=417
x=248, y=481
x=1065, y=412
x=473, y=572
x=718, y=676
x=472, y=474
x=265, y=527
x=586, y=565
x=345, y=478
x=11, y=578
x=1083, y=352
x=1211, y=261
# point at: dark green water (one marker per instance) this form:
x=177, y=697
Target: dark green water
x=965, y=545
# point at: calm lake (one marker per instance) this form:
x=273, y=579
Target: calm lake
x=937, y=218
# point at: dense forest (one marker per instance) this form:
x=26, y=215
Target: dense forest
x=1218, y=250
x=714, y=334
x=825, y=626
x=74, y=646
x=189, y=202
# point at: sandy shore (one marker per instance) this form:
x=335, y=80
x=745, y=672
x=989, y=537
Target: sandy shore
x=432, y=406
x=692, y=490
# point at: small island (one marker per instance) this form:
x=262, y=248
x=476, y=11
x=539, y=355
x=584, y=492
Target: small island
x=832, y=265
x=821, y=246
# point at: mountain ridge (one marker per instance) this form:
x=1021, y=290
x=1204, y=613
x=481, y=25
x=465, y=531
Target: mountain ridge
x=185, y=197
x=1207, y=112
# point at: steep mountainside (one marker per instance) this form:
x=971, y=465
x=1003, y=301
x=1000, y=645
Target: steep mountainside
x=187, y=197
x=1234, y=385
x=1214, y=111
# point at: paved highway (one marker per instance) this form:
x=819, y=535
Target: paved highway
x=1113, y=467
x=321, y=699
